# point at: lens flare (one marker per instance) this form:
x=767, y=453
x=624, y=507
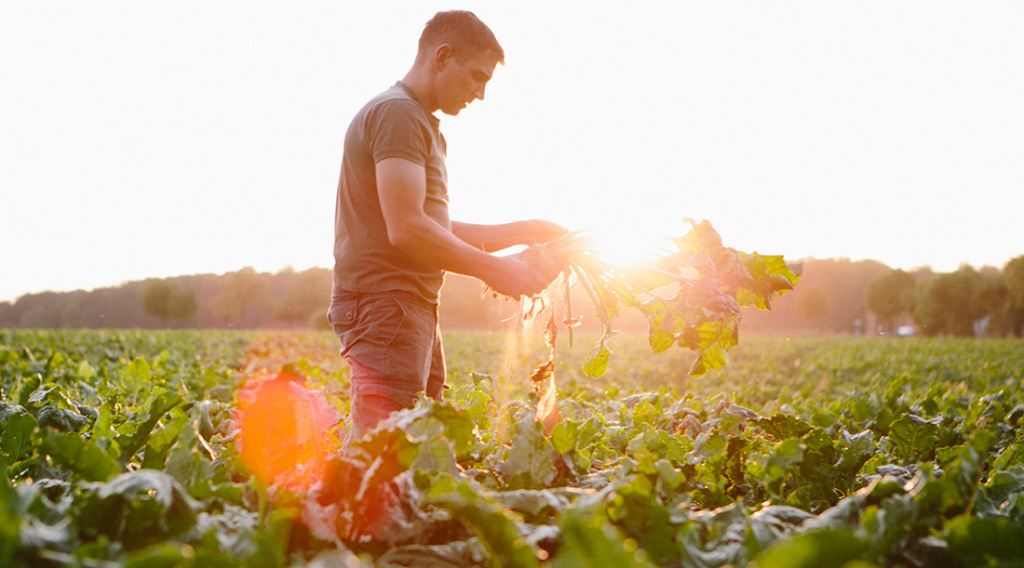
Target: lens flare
x=627, y=246
x=285, y=432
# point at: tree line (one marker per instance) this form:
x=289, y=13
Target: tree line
x=834, y=296
x=837, y=296
x=245, y=299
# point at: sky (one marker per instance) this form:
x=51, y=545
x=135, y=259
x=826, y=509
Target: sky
x=160, y=138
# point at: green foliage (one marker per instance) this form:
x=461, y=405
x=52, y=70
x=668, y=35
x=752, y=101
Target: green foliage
x=915, y=437
x=118, y=450
x=78, y=455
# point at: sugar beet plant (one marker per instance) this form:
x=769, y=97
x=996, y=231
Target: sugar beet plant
x=692, y=298
x=122, y=449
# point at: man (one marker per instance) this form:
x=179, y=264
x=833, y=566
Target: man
x=393, y=237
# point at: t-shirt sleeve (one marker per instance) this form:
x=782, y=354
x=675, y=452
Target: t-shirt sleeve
x=396, y=129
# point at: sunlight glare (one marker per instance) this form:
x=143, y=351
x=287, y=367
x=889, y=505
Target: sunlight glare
x=629, y=245
x=285, y=431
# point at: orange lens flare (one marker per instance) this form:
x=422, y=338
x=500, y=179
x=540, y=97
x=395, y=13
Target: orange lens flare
x=285, y=432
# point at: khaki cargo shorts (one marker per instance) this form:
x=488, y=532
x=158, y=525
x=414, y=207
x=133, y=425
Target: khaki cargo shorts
x=392, y=343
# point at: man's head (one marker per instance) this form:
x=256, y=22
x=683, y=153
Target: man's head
x=456, y=58
x=463, y=31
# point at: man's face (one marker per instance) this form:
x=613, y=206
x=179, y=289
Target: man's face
x=464, y=80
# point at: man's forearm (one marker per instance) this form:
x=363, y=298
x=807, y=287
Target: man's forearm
x=430, y=243
x=490, y=238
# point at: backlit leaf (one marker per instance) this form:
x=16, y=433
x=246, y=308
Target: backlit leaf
x=78, y=455
x=597, y=361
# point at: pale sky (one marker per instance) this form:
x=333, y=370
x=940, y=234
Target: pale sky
x=164, y=138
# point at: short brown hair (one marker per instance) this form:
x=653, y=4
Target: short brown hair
x=463, y=31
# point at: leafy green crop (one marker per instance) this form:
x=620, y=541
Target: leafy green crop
x=119, y=449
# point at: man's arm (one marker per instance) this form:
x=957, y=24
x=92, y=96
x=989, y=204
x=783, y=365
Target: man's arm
x=490, y=238
x=402, y=189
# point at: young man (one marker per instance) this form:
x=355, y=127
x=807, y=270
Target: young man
x=393, y=237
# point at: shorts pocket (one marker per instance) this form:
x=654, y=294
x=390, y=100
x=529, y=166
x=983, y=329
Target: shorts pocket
x=343, y=313
x=387, y=318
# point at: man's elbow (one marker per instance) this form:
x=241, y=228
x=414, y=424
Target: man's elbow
x=403, y=237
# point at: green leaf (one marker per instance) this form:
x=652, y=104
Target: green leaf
x=162, y=555
x=85, y=371
x=783, y=426
x=78, y=455
x=965, y=471
x=495, y=525
x=784, y=457
x=61, y=419
x=162, y=440
x=138, y=508
x=659, y=338
x=531, y=459
x=10, y=517
x=18, y=427
x=670, y=475
x=458, y=425
x=28, y=389
x=713, y=357
x=999, y=492
x=387, y=451
x=1011, y=456
x=137, y=374
x=588, y=541
x=636, y=510
x=457, y=554
x=597, y=361
x=161, y=403
x=535, y=505
x=988, y=541
x=436, y=452
x=914, y=437
x=564, y=436
x=825, y=548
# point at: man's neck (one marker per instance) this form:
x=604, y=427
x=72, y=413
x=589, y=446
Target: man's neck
x=419, y=84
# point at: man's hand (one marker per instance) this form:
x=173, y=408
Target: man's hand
x=541, y=231
x=515, y=278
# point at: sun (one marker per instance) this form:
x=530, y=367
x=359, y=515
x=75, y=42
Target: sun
x=629, y=245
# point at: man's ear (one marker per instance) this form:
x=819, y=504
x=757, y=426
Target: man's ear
x=443, y=55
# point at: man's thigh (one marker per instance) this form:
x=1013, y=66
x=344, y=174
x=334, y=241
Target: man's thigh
x=389, y=340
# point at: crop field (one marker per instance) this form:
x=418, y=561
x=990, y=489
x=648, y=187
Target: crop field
x=156, y=449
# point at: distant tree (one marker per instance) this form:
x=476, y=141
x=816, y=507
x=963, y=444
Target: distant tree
x=1013, y=279
x=992, y=299
x=889, y=296
x=946, y=303
x=843, y=282
x=812, y=303
x=243, y=296
x=168, y=301
x=307, y=297
x=7, y=315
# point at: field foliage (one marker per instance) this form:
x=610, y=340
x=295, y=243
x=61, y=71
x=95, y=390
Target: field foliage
x=120, y=449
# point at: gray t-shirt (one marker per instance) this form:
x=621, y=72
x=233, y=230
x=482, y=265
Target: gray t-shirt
x=392, y=125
